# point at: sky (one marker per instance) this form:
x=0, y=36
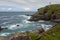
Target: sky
x=24, y=5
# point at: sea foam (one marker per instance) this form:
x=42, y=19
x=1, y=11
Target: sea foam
x=4, y=34
x=46, y=27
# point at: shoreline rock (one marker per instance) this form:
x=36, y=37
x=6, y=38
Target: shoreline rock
x=2, y=28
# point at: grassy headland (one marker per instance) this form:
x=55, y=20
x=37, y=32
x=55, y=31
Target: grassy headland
x=50, y=12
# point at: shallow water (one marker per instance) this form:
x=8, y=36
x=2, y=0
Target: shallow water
x=12, y=21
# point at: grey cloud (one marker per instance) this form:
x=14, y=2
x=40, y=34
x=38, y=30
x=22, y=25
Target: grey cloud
x=28, y=3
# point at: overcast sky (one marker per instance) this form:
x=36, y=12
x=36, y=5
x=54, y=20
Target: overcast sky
x=24, y=5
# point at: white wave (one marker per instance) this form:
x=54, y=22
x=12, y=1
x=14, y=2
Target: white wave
x=22, y=15
x=41, y=21
x=28, y=17
x=5, y=23
x=14, y=26
x=4, y=34
x=46, y=27
x=22, y=31
x=25, y=21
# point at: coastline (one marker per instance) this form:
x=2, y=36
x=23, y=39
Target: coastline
x=40, y=33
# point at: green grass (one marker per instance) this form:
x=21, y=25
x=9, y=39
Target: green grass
x=34, y=36
x=53, y=7
x=52, y=34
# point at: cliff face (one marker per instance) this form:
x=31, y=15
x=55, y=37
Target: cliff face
x=50, y=12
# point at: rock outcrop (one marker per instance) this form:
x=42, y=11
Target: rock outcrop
x=2, y=28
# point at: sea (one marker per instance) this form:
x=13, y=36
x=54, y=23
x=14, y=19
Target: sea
x=18, y=22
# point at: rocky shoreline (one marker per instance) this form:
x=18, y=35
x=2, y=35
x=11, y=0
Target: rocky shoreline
x=22, y=35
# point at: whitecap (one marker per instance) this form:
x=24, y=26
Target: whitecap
x=25, y=21
x=27, y=17
x=5, y=23
x=46, y=27
x=22, y=31
x=14, y=26
x=41, y=21
x=4, y=34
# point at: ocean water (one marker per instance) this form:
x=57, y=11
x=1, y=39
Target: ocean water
x=10, y=21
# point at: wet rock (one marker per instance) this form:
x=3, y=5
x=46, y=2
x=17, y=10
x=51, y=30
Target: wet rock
x=18, y=25
x=21, y=38
x=2, y=28
x=38, y=31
